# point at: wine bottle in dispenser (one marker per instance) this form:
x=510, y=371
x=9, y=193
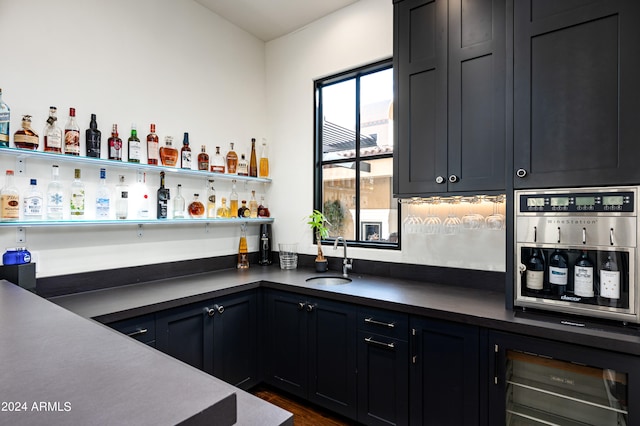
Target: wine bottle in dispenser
x=583, y=276
x=534, y=275
x=609, y=282
x=558, y=272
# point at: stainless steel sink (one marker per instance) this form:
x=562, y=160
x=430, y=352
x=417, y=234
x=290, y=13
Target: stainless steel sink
x=328, y=280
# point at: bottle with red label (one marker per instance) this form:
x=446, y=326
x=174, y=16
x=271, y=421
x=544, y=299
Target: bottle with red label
x=72, y=134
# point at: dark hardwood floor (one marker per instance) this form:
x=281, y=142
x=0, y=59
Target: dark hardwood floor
x=304, y=414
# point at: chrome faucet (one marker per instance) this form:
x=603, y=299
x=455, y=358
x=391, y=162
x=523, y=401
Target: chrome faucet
x=347, y=264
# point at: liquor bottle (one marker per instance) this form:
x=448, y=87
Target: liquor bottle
x=253, y=206
x=583, y=276
x=163, y=199
x=152, y=146
x=233, y=200
x=243, y=249
x=32, y=202
x=263, y=172
x=263, y=210
x=534, y=276
x=26, y=138
x=253, y=161
x=134, y=146
x=122, y=199
x=76, y=202
x=609, y=282
x=168, y=154
x=203, y=159
x=196, y=208
x=9, y=200
x=558, y=272
x=217, y=162
x=72, y=134
x=243, y=210
x=93, y=138
x=52, y=133
x=5, y=120
x=55, y=196
x=211, y=200
x=243, y=167
x=178, y=204
x=115, y=144
x=142, y=193
x=223, y=210
x=185, y=153
x=103, y=197
x=232, y=161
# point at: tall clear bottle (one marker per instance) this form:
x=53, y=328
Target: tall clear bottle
x=243, y=249
x=93, y=138
x=142, y=193
x=122, y=199
x=52, y=133
x=253, y=205
x=55, y=196
x=232, y=160
x=134, y=146
x=163, y=199
x=185, y=153
x=233, y=200
x=153, y=149
x=178, y=204
x=103, y=197
x=9, y=200
x=115, y=144
x=263, y=171
x=72, y=134
x=211, y=199
x=5, y=121
x=76, y=204
x=32, y=202
x=253, y=160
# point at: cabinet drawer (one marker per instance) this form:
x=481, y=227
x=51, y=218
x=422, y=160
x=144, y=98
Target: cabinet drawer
x=384, y=323
x=141, y=328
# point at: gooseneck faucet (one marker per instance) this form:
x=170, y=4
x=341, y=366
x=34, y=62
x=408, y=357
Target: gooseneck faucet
x=347, y=264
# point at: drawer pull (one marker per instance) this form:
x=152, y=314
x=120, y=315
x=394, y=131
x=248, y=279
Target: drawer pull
x=138, y=332
x=370, y=340
x=384, y=324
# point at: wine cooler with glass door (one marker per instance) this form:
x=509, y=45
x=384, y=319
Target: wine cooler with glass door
x=576, y=252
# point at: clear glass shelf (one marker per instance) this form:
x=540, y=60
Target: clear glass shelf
x=100, y=162
x=186, y=221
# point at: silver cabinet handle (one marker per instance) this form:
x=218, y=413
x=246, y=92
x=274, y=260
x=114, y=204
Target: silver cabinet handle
x=453, y=178
x=138, y=332
x=521, y=173
x=440, y=179
x=611, y=236
x=301, y=305
x=371, y=341
x=211, y=312
x=310, y=307
x=219, y=308
x=374, y=322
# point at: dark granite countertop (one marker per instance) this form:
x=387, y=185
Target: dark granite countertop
x=59, y=368
x=453, y=303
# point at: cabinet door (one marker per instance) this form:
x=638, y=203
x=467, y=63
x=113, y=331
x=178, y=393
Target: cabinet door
x=141, y=328
x=383, y=380
x=445, y=371
x=576, y=92
x=420, y=105
x=286, y=343
x=476, y=99
x=186, y=333
x=332, y=356
x=235, y=340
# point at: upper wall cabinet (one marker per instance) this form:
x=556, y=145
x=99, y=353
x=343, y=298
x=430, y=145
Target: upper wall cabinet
x=449, y=60
x=576, y=93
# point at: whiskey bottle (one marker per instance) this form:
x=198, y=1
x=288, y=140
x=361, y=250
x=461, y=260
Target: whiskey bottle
x=163, y=199
x=185, y=153
x=263, y=210
x=122, y=199
x=196, y=208
x=223, y=211
x=168, y=154
x=76, y=204
x=9, y=200
x=233, y=200
x=243, y=249
x=264, y=161
x=253, y=206
x=32, y=202
x=232, y=161
x=103, y=197
x=243, y=166
x=243, y=211
x=115, y=144
x=26, y=138
x=55, y=196
x=52, y=133
x=5, y=120
x=134, y=145
x=72, y=134
x=93, y=138
x=253, y=161
x=203, y=159
x=211, y=200
x=217, y=162
x=152, y=146
x=178, y=204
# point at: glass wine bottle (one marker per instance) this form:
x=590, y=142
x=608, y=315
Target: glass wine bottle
x=583, y=283
x=558, y=272
x=609, y=282
x=253, y=161
x=534, y=276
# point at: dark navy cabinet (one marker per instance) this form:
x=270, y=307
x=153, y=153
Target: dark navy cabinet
x=310, y=347
x=141, y=328
x=450, y=68
x=576, y=92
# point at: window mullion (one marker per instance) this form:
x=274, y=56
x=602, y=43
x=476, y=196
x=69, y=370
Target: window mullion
x=358, y=237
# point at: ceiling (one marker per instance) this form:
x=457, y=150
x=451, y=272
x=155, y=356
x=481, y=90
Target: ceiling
x=270, y=19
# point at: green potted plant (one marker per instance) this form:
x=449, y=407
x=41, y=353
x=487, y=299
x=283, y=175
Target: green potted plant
x=317, y=222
